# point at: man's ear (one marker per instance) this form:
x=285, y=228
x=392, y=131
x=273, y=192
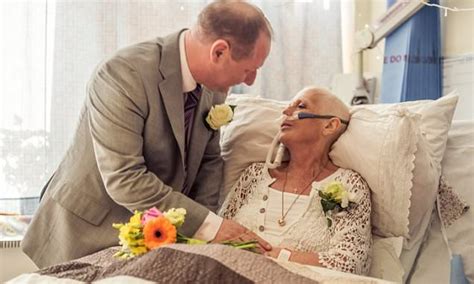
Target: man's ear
x=220, y=49
x=332, y=126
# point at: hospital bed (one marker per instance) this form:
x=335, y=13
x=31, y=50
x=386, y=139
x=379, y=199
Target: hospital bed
x=247, y=140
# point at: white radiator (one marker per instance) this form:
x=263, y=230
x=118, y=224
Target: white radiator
x=13, y=261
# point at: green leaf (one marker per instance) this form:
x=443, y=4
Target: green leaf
x=117, y=225
x=322, y=195
x=249, y=245
x=327, y=205
x=182, y=239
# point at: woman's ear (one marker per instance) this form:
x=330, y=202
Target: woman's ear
x=220, y=49
x=332, y=126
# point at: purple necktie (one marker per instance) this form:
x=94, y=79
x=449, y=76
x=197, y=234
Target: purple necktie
x=192, y=99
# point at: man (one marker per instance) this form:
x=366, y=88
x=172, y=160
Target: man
x=141, y=140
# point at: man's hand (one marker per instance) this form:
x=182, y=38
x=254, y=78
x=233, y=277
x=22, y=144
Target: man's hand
x=233, y=231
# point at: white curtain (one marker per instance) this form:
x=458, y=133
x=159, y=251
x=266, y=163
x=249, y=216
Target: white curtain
x=306, y=49
x=23, y=101
x=50, y=48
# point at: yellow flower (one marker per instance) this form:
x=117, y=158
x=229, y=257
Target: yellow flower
x=131, y=238
x=335, y=190
x=176, y=216
x=136, y=218
x=219, y=115
x=138, y=249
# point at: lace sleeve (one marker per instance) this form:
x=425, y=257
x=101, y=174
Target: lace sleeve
x=451, y=205
x=351, y=239
x=240, y=191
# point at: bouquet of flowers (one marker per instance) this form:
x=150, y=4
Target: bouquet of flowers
x=334, y=199
x=151, y=229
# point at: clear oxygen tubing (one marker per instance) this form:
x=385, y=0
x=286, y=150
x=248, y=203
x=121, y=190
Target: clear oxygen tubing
x=279, y=155
x=281, y=148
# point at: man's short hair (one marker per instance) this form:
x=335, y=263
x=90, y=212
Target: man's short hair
x=237, y=22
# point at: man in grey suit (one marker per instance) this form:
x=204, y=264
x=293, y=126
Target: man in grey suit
x=142, y=142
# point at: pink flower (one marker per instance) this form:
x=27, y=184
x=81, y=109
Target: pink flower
x=149, y=214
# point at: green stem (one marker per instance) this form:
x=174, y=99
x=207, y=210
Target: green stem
x=246, y=246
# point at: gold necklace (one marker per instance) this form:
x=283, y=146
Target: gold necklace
x=282, y=221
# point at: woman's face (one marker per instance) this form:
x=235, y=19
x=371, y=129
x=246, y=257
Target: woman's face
x=301, y=130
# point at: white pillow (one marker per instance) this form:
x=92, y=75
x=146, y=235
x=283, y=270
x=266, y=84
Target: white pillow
x=248, y=137
x=381, y=146
x=436, y=116
x=423, y=192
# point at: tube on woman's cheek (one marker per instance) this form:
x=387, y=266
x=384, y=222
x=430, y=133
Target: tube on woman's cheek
x=303, y=115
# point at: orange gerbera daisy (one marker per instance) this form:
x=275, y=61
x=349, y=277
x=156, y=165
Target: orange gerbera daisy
x=159, y=231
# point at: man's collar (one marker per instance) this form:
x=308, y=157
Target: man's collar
x=189, y=84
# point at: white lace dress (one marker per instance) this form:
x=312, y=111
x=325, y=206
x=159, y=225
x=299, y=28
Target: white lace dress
x=344, y=246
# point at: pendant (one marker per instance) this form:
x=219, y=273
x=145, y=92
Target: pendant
x=281, y=222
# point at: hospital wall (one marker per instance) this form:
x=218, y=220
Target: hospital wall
x=457, y=32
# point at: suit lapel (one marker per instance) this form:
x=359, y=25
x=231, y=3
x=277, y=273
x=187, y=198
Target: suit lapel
x=171, y=88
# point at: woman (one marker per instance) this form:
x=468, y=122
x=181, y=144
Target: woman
x=283, y=205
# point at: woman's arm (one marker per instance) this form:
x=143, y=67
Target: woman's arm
x=351, y=241
x=309, y=258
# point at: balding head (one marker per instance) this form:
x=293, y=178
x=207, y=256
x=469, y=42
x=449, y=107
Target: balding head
x=238, y=22
x=327, y=104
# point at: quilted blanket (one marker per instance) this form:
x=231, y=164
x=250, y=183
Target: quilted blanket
x=180, y=263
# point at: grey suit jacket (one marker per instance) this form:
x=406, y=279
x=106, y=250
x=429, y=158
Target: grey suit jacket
x=128, y=154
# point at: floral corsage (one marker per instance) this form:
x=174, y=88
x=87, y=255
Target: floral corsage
x=151, y=229
x=335, y=199
x=219, y=115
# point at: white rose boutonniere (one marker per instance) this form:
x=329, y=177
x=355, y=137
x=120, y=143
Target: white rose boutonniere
x=334, y=199
x=219, y=115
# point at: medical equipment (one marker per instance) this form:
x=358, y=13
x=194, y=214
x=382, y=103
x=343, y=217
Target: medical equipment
x=306, y=115
x=368, y=38
x=279, y=155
